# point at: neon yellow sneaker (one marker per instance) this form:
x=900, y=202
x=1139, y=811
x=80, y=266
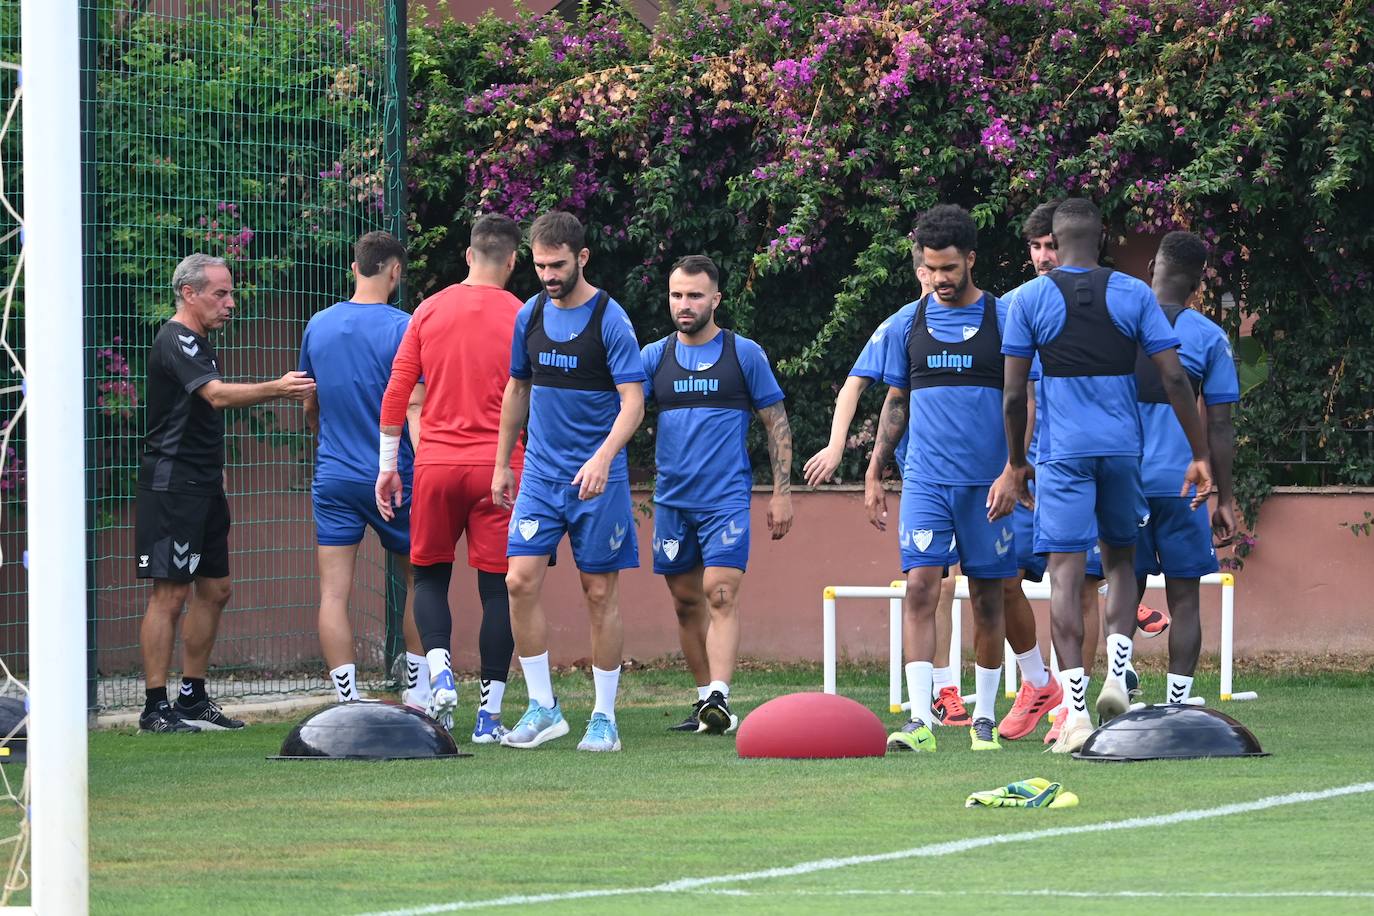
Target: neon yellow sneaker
x=983, y=734
x=913, y=736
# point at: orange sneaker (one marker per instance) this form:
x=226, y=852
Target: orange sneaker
x=1030, y=706
x=949, y=708
x=1150, y=622
x=1057, y=726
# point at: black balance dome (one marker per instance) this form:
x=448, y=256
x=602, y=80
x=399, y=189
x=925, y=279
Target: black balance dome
x=1170, y=733
x=368, y=730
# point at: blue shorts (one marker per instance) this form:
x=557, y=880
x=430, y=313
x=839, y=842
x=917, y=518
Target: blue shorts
x=1034, y=564
x=939, y=519
x=344, y=508
x=1080, y=500
x=685, y=539
x=602, y=530
x=1176, y=541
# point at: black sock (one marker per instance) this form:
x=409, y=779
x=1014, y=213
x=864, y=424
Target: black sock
x=495, y=641
x=432, y=616
x=192, y=691
x=154, y=696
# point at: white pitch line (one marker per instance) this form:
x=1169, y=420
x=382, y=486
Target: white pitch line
x=933, y=850
x=1045, y=892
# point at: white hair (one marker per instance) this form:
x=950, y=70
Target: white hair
x=191, y=272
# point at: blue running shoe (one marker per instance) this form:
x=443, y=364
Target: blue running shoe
x=537, y=725
x=602, y=735
x=488, y=729
x=443, y=699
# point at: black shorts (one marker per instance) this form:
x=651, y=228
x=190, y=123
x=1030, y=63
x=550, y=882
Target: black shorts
x=181, y=536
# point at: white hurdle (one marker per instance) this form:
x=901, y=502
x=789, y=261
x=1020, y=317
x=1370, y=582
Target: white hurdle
x=1035, y=591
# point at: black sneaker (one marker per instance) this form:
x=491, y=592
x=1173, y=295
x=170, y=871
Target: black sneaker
x=715, y=715
x=206, y=716
x=692, y=723
x=163, y=718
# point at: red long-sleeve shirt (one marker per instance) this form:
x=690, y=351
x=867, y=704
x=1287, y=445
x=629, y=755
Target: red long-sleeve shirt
x=459, y=340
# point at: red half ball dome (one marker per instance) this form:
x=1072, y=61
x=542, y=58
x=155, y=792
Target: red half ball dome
x=811, y=726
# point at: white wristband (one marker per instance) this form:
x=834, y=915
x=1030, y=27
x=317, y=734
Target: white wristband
x=388, y=448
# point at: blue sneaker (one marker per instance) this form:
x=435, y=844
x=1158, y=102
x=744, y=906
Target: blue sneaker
x=488, y=729
x=443, y=699
x=537, y=725
x=602, y=735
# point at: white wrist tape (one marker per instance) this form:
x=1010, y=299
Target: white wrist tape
x=388, y=447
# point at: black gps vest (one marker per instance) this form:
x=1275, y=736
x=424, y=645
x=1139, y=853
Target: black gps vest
x=581, y=363
x=1089, y=343
x=722, y=385
x=1149, y=387
x=975, y=361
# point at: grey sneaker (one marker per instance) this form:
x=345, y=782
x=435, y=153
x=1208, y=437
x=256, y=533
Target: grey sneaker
x=602, y=735
x=537, y=725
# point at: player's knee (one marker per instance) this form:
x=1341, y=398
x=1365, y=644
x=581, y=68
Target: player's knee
x=921, y=598
x=599, y=591
x=169, y=599
x=521, y=585
x=214, y=591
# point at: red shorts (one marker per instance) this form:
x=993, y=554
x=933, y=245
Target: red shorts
x=450, y=500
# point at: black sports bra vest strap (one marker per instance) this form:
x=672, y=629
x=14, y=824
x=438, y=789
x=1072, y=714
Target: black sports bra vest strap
x=722, y=385
x=1149, y=386
x=581, y=363
x=1089, y=343
x=973, y=362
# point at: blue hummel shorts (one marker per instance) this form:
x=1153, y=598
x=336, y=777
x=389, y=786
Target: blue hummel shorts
x=1079, y=500
x=938, y=518
x=1023, y=527
x=602, y=530
x=685, y=539
x=345, y=508
x=1176, y=541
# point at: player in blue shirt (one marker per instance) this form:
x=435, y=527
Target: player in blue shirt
x=1085, y=323
x=575, y=371
x=944, y=361
x=1177, y=539
x=348, y=348
x=706, y=383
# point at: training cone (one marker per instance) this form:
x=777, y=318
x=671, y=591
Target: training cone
x=368, y=730
x=1170, y=733
x=811, y=726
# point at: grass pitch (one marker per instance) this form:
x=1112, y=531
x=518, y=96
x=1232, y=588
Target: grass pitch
x=205, y=824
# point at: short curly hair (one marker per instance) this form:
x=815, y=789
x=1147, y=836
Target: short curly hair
x=947, y=225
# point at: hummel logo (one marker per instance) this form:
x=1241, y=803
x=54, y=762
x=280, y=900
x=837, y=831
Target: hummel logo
x=143, y=561
x=1145, y=521
x=922, y=538
x=732, y=534
x=1003, y=543
x=344, y=681
x=180, y=559
x=188, y=344
x=186, y=690
x=617, y=537
x=528, y=527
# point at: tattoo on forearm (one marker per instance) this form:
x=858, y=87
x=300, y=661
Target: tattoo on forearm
x=891, y=427
x=779, y=446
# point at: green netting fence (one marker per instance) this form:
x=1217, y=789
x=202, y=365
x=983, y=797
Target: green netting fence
x=259, y=132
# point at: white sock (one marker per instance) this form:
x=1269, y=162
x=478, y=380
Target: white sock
x=438, y=661
x=1118, y=657
x=703, y=693
x=1180, y=687
x=538, y=683
x=721, y=686
x=920, y=679
x=986, y=681
x=1075, y=691
x=607, y=683
x=942, y=678
x=417, y=674
x=493, y=692
x=345, y=678
x=1032, y=665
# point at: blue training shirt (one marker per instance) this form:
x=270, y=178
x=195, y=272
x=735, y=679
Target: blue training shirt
x=348, y=349
x=957, y=434
x=869, y=365
x=1090, y=415
x=566, y=425
x=1206, y=354
x=1032, y=447
x=703, y=461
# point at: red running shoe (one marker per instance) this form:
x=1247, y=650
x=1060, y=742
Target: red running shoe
x=1052, y=735
x=1030, y=706
x=1150, y=622
x=949, y=708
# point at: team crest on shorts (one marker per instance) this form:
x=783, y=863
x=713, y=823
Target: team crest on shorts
x=670, y=548
x=922, y=538
x=527, y=527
